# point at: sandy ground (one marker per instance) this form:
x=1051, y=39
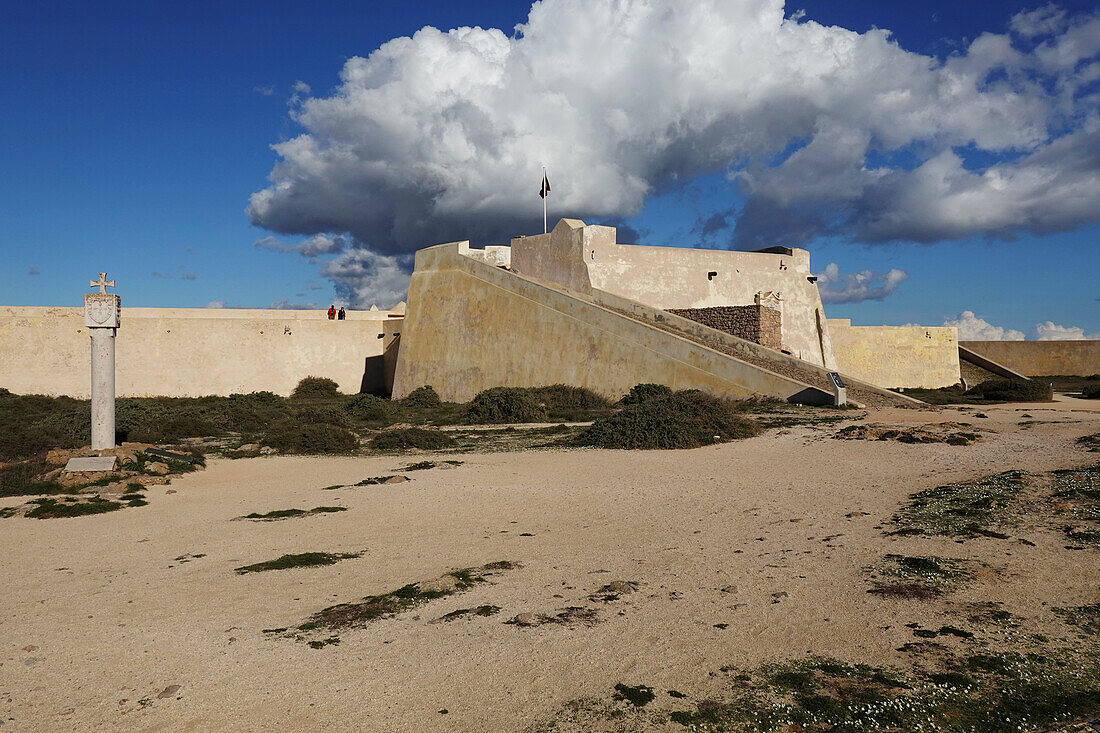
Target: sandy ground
x=98, y=616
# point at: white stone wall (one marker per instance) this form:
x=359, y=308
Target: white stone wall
x=188, y=352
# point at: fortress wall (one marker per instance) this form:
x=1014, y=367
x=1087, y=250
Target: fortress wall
x=582, y=258
x=187, y=352
x=897, y=356
x=471, y=326
x=1042, y=358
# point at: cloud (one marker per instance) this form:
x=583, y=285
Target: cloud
x=820, y=130
x=161, y=275
x=264, y=91
x=1050, y=331
x=189, y=276
x=215, y=304
x=363, y=278
x=32, y=270
x=318, y=244
x=858, y=286
x=284, y=304
x=973, y=328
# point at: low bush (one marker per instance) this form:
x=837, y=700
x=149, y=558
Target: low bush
x=644, y=392
x=405, y=438
x=315, y=388
x=504, y=405
x=294, y=437
x=319, y=414
x=1091, y=391
x=1012, y=390
x=368, y=407
x=424, y=397
x=563, y=398
x=686, y=419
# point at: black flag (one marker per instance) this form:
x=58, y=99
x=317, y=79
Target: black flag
x=545, y=186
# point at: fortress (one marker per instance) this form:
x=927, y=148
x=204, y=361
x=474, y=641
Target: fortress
x=571, y=306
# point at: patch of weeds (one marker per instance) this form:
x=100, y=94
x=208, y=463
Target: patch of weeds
x=989, y=695
x=687, y=419
x=569, y=616
x=373, y=481
x=637, y=695
x=8, y=512
x=420, y=466
x=991, y=613
x=407, y=438
x=302, y=560
x=372, y=608
x=486, y=610
x=51, y=509
x=289, y=513
x=942, y=631
x=676, y=694
x=1077, y=495
x=1085, y=618
x=322, y=643
x=918, y=578
x=964, y=509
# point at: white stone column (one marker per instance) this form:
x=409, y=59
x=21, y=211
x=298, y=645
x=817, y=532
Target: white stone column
x=101, y=316
x=103, y=388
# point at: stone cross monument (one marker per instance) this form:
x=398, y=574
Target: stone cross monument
x=101, y=316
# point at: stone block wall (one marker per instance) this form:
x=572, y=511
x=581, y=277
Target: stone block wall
x=759, y=324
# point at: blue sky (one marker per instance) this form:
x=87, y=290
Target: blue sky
x=132, y=136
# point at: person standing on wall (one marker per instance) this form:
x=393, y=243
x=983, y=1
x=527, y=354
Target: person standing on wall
x=341, y=314
x=332, y=312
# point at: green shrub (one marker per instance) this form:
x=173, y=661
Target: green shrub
x=248, y=413
x=644, y=392
x=425, y=396
x=315, y=388
x=1012, y=390
x=504, y=405
x=1091, y=391
x=405, y=438
x=368, y=407
x=563, y=398
x=686, y=419
x=319, y=414
x=293, y=437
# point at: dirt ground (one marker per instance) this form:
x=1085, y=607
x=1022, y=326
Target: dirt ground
x=136, y=620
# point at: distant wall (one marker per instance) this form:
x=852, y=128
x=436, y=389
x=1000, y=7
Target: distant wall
x=897, y=356
x=582, y=258
x=186, y=352
x=1041, y=358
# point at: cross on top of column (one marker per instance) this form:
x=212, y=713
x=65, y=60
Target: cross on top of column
x=103, y=283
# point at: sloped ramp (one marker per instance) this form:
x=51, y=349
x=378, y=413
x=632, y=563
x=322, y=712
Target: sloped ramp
x=471, y=326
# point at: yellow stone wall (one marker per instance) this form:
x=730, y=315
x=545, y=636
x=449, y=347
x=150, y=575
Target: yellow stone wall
x=188, y=352
x=897, y=356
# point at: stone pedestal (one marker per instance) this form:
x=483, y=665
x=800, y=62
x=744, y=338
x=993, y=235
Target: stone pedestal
x=102, y=312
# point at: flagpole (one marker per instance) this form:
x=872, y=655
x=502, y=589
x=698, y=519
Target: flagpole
x=546, y=193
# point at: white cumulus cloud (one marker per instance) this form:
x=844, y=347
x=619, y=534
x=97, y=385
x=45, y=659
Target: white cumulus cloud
x=1050, y=331
x=854, y=287
x=973, y=328
x=822, y=130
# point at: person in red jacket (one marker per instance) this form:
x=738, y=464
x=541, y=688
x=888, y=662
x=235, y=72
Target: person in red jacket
x=332, y=312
